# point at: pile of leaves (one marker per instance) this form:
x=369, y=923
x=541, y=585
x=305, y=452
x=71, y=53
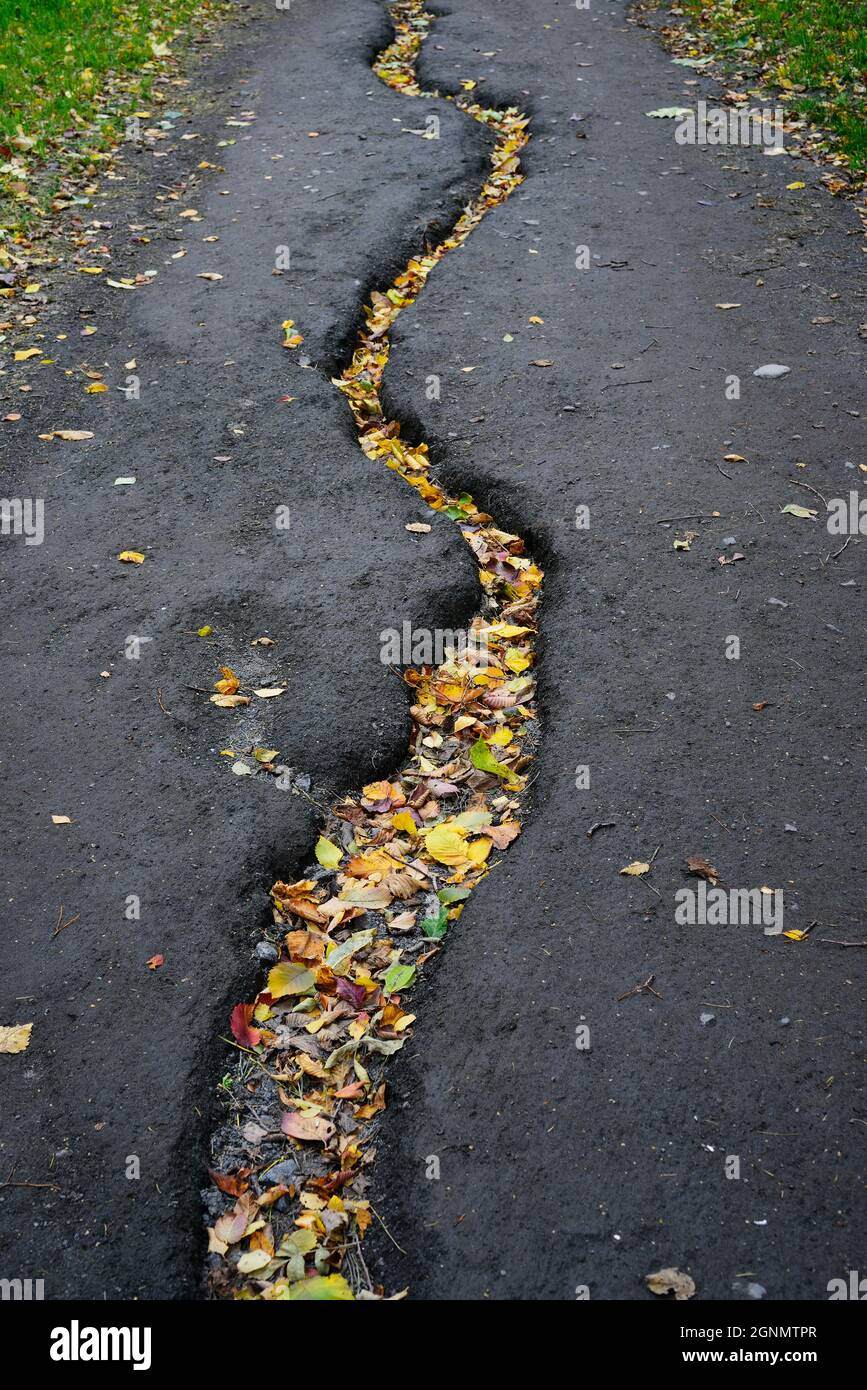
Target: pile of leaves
x=394, y=866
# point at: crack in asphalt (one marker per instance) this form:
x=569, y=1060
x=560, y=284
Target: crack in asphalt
x=330, y=996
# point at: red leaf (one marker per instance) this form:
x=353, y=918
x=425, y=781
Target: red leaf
x=241, y=1030
x=233, y=1184
x=355, y=994
x=155, y=962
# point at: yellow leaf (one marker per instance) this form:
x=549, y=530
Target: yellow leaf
x=796, y=184
x=636, y=868
x=328, y=853
x=96, y=388
x=402, y=820
x=516, y=660
x=131, y=557
x=15, y=1038
x=90, y=269
x=24, y=353
x=445, y=843
x=289, y=978
x=478, y=850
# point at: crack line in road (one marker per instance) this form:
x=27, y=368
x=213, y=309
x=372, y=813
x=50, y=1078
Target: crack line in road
x=332, y=1010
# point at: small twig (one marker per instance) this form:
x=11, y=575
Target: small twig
x=832, y=941
x=645, y=987
x=61, y=925
x=690, y=516
x=160, y=703
x=842, y=548
x=387, y=1231
x=722, y=470
x=797, y=482
x=599, y=825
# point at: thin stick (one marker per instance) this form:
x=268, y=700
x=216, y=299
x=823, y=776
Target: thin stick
x=387, y=1231
x=814, y=491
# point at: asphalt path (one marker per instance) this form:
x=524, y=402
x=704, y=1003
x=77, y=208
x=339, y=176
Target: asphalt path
x=566, y=1161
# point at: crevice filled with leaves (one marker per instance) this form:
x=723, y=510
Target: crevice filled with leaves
x=394, y=865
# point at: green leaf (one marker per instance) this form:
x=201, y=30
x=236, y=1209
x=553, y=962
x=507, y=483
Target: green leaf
x=320, y=1288
x=452, y=893
x=435, y=927
x=328, y=853
x=398, y=977
x=482, y=758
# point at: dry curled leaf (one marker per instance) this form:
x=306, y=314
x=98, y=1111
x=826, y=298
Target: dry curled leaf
x=636, y=868
x=698, y=865
x=671, y=1281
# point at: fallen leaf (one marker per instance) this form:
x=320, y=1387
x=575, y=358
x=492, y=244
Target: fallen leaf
x=482, y=758
x=242, y=1015
x=636, y=868
x=15, y=1038
x=131, y=557
x=61, y=820
x=698, y=865
x=328, y=854
x=793, y=509
x=289, y=978
x=671, y=1281
x=319, y=1288
x=155, y=962
x=313, y=1129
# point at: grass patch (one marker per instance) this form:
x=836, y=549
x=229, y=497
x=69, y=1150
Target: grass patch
x=813, y=51
x=69, y=72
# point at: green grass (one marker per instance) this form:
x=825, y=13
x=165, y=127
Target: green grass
x=70, y=71
x=815, y=51
x=55, y=56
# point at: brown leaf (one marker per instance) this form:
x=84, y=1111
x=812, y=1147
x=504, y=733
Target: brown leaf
x=311, y=1128
x=671, y=1281
x=698, y=865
